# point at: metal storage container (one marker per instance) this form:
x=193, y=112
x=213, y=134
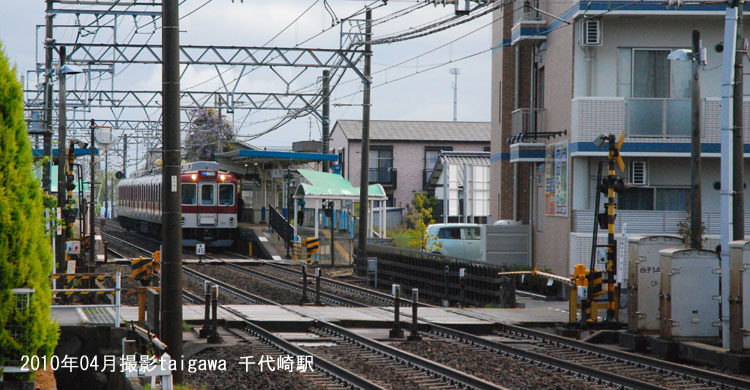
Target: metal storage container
x=644, y=280
x=689, y=297
x=739, y=287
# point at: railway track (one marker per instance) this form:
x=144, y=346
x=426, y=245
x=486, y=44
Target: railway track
x=228, y=288
x=602, y=365
x=372, y=360
x=325, y=375
x=336, y=285
x=333, y=287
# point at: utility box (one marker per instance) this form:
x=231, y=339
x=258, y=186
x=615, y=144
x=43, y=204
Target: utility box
x=644, y=265
x=739, y=304
x=689, y=295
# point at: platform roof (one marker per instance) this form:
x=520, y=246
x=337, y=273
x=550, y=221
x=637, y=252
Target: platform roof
x=274, y=155
x=39, y=153
x=322, y=185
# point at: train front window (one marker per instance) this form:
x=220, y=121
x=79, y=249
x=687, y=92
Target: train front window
x=188, y=193
x=226, y=194
x=207, y=194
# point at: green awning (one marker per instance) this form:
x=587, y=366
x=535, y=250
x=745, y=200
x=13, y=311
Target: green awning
x=53, y=180
x=324, y=185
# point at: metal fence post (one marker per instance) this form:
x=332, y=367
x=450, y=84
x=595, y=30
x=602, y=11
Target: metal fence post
x=214, y=338
x=117, y=300
x=396, y=332
x=317, y=286
x=446, y=276
x=304, y=283
x=461, y=276
x=206, y=330
x=414, y=336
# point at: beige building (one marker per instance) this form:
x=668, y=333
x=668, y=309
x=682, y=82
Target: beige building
x=564, y=72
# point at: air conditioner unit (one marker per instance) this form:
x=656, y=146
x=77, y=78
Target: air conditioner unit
x=592, y=33
x=638, y=173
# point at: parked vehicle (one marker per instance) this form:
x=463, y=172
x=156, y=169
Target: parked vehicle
x=461, y=240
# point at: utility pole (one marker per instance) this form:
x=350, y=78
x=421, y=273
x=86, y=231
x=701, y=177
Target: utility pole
x=62, y=159
x=326, y=115
x=124, y=155
x=365, y=168
x=92, y=202
x=47, y=169
x=455, y=72
x=726, y=200
x=696, y=211
x=171, y=291
x=738, y=181
x=105, y=203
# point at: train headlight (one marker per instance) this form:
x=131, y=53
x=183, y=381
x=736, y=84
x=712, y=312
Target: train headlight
x=193, y=177
x=222, y=177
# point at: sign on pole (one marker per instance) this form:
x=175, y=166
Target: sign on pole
x=200, y=249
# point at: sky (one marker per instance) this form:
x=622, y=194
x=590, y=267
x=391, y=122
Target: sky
x=419, y=89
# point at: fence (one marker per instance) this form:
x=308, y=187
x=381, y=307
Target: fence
x=437, y=277
x=91, y=291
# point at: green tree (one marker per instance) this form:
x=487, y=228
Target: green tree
x=207, y=129
x=25, y=250
x=420, y=218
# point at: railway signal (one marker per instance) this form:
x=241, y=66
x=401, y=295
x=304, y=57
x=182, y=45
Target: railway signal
x=610, y=185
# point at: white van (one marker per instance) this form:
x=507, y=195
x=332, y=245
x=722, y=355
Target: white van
x=461, y=240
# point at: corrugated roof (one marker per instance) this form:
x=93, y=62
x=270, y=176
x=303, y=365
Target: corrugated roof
x=458, y=159
x=417, y=130
x=332, y=186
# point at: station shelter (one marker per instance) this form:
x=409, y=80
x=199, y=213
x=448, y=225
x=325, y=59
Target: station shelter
x=318, y=191
x=267, y=178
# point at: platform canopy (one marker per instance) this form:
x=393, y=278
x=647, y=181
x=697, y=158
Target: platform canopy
x=253, y=156
x=322, y=185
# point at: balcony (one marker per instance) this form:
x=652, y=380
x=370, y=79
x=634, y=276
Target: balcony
x=527, y=121
x=526, y=12
x=646, y=120
x=528, y=25
x=658, y=117
x=387, y=177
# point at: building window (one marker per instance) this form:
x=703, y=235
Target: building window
x=658, y=198
x=381, y=164
x=660, y=104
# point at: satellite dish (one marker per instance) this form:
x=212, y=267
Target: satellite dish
x=119, y=175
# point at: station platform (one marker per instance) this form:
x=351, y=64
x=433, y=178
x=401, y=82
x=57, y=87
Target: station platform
x=306, y=314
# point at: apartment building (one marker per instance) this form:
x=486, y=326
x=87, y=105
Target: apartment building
x=403, y=153
x=564, y=72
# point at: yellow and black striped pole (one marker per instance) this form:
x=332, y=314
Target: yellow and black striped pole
x=614, y=156
x=312, y=245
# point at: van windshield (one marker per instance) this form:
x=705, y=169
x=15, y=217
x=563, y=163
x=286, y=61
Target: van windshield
x=449, y=233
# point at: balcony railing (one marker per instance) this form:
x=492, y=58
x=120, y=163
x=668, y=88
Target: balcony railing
x=523, y=11
x=385, y=176
x=658, y=117
x=527, y=120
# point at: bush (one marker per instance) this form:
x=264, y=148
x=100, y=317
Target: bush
x=25, y=250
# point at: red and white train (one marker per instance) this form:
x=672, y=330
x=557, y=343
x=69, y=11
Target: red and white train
x=209, y=204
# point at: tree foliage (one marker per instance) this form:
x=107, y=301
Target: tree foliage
x=419, y=219
x=25, y=250
x=207, y=129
